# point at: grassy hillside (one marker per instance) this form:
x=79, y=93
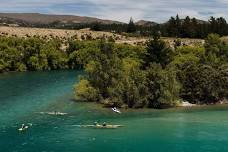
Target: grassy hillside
x=86, y=34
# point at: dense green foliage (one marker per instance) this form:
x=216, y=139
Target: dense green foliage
x=203, y=72
x=193, y=28
x=36, y=53
x=156, y=76
x=20, y=54
x=158, y=52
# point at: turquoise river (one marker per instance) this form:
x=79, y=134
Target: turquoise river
x=24, y=95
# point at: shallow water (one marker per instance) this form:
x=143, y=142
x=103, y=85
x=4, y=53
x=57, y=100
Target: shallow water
x=24, y=95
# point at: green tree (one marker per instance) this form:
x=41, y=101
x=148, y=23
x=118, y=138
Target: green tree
x=103, y=71
x=187, y=54
x=131, y=88
x=33, y=63
x=163, y=86
x=187, y=28
x=158, y=52
x=131, y=28
x=201, y=83
x=216, y=51
x=85, y=92
x=172, y=28
x=178, y=26
x=96, y=27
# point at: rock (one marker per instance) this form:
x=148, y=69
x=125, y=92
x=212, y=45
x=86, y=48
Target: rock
x=187, y=104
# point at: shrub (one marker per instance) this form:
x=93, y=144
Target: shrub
x=85, y=92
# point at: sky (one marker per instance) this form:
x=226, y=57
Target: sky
x=121, y=10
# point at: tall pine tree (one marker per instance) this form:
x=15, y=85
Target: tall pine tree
x=131, y=28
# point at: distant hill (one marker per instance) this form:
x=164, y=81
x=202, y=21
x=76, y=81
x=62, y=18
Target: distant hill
x=40, y=20
x=146, y=23
x=201, y=21
x=36, y=18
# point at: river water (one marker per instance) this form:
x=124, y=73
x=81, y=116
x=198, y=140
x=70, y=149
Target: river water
x=24, y=95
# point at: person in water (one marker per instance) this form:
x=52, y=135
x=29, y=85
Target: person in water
x=95, y=123
x=23, y=126
x=104, y=124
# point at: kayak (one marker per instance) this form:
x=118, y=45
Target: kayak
x=57, y=113
x=101, y=126
x=107, y=126
x=54, y=113
x=116, y=110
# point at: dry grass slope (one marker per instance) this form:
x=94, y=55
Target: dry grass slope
x=86, y=34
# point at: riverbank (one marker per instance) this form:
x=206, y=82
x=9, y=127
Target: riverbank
x=185, y=107
x=188, y=104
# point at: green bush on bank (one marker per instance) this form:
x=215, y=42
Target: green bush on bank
x=156, y=76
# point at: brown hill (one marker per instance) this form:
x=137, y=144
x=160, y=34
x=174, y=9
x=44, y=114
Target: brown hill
x=145, y=23
x=36, y=18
